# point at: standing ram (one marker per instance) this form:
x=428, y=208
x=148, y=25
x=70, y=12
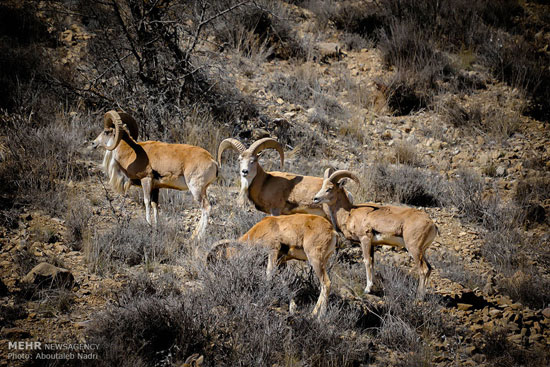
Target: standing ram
x=273, y=192
x=154, y=165
x=374, y=224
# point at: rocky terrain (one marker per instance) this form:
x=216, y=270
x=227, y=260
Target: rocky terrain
x=476, y=157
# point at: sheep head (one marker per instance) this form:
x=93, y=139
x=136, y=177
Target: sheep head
x=116, y=125
x=333, y=185
x=248, y=158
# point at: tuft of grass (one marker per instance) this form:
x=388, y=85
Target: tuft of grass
x=406, y=154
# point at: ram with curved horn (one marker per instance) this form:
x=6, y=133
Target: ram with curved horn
x=272, y=192
x=154, y=165
x=374, y=224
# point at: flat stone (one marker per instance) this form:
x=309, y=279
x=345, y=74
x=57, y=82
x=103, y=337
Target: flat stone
x=546, y=312
x=464, y=306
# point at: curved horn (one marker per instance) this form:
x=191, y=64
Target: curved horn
x=340, y=174
x=229, y=143
x=112, y=119
x=131, y=124
x=267, y=143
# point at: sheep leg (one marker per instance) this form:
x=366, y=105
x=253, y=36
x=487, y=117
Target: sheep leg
x=416, y=245
x=154, y=204
x=368, y=258
x=199, y=194
x=321, y=272
x=272, y=262
x=423, y=269
x=147, y=185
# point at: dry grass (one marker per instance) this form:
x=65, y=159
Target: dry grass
x=235, y=316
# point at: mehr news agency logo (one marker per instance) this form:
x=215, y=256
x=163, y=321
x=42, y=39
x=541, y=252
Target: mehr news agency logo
x=27, y=350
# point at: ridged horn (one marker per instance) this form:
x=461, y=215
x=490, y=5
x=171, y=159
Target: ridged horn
x=110, y=120
x=131, y=124
x=229, y=143
x=267, y=143
x=335, y=177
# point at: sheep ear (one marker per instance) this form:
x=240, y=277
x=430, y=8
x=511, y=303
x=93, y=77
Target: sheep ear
x=328, y=172
x=342, y=182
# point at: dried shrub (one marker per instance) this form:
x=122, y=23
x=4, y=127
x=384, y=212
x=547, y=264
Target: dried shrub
x=9, y=314
x=361, y=18
x=405, y=321
x=402, y=184
x=405, y=153
x=259, y=27
x=420, y=67
x=475, y=118
x=38, y=160
x=529, y=197
x=236, y=316
x=132, y=242
x=77, y=220
x=451, y=267
x=502, y=352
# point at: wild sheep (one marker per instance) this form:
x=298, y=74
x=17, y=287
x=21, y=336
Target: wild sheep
x=273, y=192
x=154, y=165
x=303, y=237
x=374, y=224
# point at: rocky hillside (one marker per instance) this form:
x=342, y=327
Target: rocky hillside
x=440, y=105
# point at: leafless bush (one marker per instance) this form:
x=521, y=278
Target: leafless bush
x=399, y=335
x=77, y=219
x=38, y=158
x=10, y=314
x=163, y=61
x=477, y=119
x=530, y=194
x=235, y=316
x=132, y=242
x=527, y=285
x=420, y=67
x=258, y=27
x=451, y=266
x=361, y=18
x=406, y=154
x=466, y=194
x=502, y=352
x=354, y=42
x=405, y=320
x=402, y=184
